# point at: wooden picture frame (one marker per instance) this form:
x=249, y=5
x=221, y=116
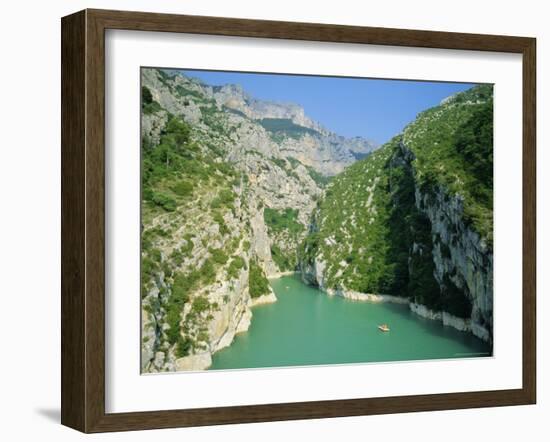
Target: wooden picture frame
x=83, y=220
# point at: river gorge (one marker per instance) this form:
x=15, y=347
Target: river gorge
x=308, y=327
x=238, y=191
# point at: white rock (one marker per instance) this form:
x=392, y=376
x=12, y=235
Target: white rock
x=196, y=362
x=264, y=299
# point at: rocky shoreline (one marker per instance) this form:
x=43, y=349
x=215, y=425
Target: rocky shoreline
x=460, y=324
x=202, y=361
x=278, y=275
x=366, y=297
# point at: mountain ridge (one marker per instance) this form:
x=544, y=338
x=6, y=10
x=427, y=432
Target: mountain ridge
x=234, y=97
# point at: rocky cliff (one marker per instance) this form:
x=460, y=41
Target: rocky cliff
x=228, y=187
x=414, y=219
x=462, y=259
x=290, y=132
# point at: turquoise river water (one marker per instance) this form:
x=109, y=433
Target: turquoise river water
x=307, y=327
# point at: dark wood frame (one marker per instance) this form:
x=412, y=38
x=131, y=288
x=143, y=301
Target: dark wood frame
x=83, y=216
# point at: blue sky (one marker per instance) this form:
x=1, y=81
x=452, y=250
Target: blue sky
x=374, y=109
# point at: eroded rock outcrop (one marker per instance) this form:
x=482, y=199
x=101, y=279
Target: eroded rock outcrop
x=460, y=256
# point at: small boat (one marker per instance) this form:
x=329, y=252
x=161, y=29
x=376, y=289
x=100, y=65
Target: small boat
x=384, y=328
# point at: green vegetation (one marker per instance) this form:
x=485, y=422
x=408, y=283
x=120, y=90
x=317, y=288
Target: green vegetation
x=352, y=227
x=146, y=96
x=148, y=104
x=360, y=155
x=372, y=237
x=218, y=219
x=184, y=179
x=200, y=304
x=453, y=146
x=181, y=287
x=182, y=188
x=286, y=166
x=218, y=255
x=285, y=127
x=284, y=228
x=258, y=284
x=183, y=284
x=225, y=198
x=165, y=75
x=186, y=92
x=369, y=231
x=149, y=268
x=286, y=219
x=235, y=266
x=215, y=119
x=183, y=346
x=320, y=179
x=176, y=168
x=284, y=261
x=163, y=200
x=166, y=161
x=422, y=286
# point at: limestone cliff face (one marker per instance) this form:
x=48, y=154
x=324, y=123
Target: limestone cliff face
x=218, y=308
x=234, y=97
x=461, y=255
x=313, y=272
x=317, y=147
x=198, y=250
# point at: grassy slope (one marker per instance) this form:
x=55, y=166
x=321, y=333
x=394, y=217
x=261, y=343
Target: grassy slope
x=361, y=233
x=453, y=145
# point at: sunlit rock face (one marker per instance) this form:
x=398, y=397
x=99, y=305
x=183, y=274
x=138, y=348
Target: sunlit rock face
x=267, y=158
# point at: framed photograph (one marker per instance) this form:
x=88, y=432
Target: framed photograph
x=271, y=220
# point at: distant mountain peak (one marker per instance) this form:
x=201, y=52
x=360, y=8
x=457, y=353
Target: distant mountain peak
x=294, y=133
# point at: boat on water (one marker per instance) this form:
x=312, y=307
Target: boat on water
x=384, y=327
